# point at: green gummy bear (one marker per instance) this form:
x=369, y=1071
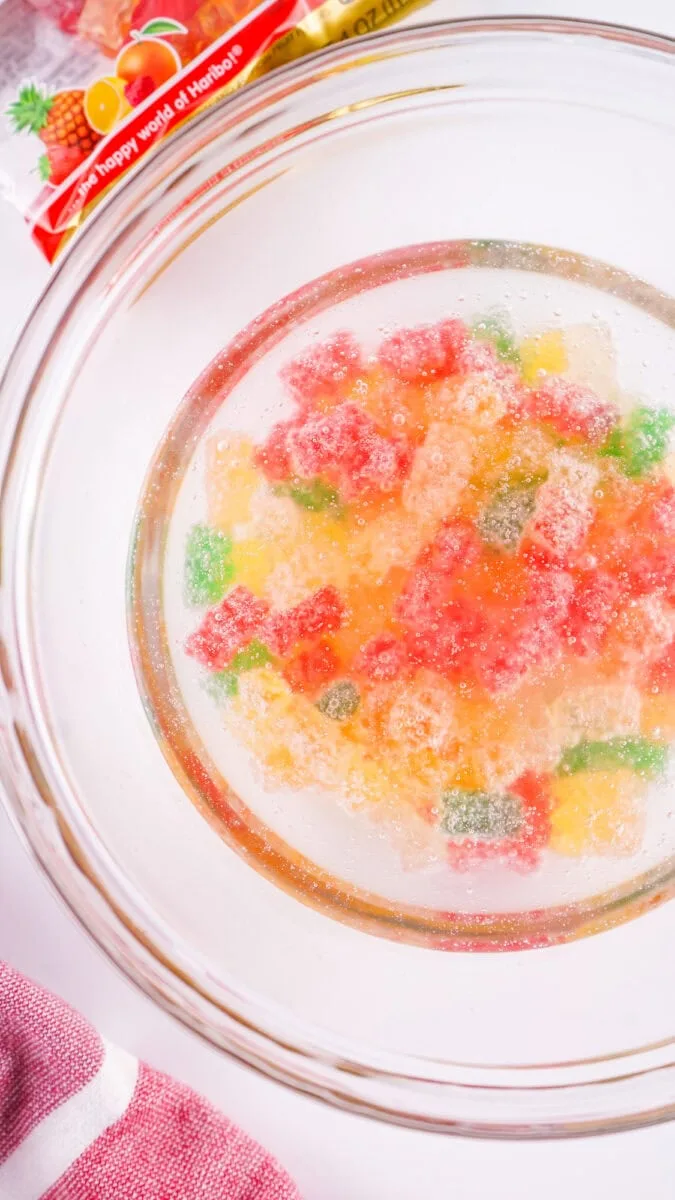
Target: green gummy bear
x=638, y=753
x=223, y=685
x=642, y=441
x=252, y=656
x=502, y=522
x=340, y=701
x=496, y=330
x=315, y=496
x=208, y=565
x=487, y=816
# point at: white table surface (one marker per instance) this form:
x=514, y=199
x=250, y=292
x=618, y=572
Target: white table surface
x=333, y=1156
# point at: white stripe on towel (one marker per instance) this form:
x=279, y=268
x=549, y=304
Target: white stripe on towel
x=59, y=1140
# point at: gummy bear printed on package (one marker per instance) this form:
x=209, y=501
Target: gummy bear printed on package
x=76, y=122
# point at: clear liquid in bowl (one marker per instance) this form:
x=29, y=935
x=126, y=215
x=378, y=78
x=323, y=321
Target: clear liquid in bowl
x=408, y=632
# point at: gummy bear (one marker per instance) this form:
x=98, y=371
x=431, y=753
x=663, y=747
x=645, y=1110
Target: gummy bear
x=389, y=540
x=316, y=496
x=440, y=472
x=423, y=715
x=642, y=441
x=252, y=560
x=482, y=815
x=415, y=355
x=592, y=609
x=310, y=668
x=502, y=522
x=208, y=565
x=479, y=399
x=659, y=515
x=222, y=685
x=495, y=328
x=323, y=369
x=563, y=511
x=447, y=640
x=544, y=354
x=227, y=628
x=345, y=447
x=273, y=457
x=596, y=711
x=657, y=719
x=318, y=555
x=321, y=613
x=429, y=585
x=596, y=812
x=591, y=359
x=340, y=701
x=662, y=671
x=382, y=659
x=530, y=638
x=641, y=633
x=231, y=479
x=522, y=848
x=574, y=411
x=641, y=755
x=396, y=407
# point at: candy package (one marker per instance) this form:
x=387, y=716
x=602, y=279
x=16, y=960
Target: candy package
x=88, y=87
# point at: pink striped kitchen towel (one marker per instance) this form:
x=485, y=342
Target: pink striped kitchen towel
x=83, y=1120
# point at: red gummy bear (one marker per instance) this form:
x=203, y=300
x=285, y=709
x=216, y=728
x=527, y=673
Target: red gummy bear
x=573, y=410
x=345, y=447
x=312, y=668
x=530, y=638
x=562, y=519
x=662, y=672
x=591, y=611
x=660, y=515
x=382, y=659
x=448, y=639
x=272, y=458
x=443, y=630
x=424, y=352
x=455, y=546
x=227, y=629
x=324, y=441
x=324, y=369
x=649, y=566
x=322, y=612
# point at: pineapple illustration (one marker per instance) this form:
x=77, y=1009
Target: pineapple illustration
x=60, y=123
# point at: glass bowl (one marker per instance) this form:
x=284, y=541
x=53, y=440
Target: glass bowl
x=452, y=164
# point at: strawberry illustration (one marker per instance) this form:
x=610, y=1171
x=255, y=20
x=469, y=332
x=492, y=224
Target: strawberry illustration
x=59, y=162
x=139, y=89
x=57, y=120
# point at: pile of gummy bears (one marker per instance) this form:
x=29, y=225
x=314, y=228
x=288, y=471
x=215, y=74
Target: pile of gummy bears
x=444, y=590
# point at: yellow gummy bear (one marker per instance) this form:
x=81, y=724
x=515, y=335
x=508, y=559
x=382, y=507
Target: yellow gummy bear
x=316, y=557
x=657, y=719
x=253, y=560
x=591, y=358
x=440, y=472
x=544, y=354
x=596, y=812
x=231, y=479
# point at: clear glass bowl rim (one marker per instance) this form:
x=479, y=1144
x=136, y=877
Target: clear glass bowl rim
x=560, y=1100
